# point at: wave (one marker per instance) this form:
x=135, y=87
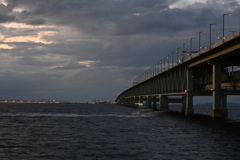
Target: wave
x=61, y=115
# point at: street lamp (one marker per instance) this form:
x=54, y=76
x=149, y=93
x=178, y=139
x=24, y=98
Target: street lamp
x=183, y=56
x=223, y=22
x=153, y=72
x=150, y=71
x=169, y=58
x=154, y=69
x=210, y=37
x=191, y=43
x=184, y=46
x=173, y=56
x=200, y=39
x=161, y=65
x=178, y=52
x=165, y=63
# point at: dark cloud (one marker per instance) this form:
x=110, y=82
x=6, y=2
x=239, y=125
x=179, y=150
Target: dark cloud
x=94, y=16
x=31, y=61
x=120, y=17
x=108, y=17
x=6, y=18
x=35, y=21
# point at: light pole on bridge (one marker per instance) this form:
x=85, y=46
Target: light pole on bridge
x=173, y=56
x=178, y=52
x=210, y=37
x=168, y=59
x=165, y=63
x=184, y=46
x=183, y=56
x=161, y=65
x=200, y=40
x=191, y=44
x=223, y=22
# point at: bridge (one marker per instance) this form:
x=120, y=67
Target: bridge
x=212, y=71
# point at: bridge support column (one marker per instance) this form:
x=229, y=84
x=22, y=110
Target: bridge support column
x=189, y=97
x=149, y=101
x=126, y=101
x=129, y=101
x=163, y=100
x=132, y=102
x=141, y=100
x=189, y=110
x=183, y=104
x=220, y=110
x=154, y=100
x=219, y=105
x=123, y=101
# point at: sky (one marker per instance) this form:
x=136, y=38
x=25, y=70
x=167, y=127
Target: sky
x=81, y=50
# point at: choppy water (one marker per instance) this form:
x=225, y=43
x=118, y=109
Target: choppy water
x=109, y=132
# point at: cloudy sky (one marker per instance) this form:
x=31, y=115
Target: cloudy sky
x=79, y=50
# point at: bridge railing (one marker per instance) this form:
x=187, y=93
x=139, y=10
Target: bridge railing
x=163, y=66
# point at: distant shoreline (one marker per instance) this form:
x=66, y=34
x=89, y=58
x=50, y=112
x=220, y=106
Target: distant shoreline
x=13, y=101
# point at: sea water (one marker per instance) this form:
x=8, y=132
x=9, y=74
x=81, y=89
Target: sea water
x=111, y=132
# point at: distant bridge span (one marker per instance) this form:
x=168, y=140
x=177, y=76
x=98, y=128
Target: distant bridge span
x=210, y=72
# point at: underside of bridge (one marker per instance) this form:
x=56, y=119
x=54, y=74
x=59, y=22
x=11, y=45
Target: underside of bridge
x=211, y=72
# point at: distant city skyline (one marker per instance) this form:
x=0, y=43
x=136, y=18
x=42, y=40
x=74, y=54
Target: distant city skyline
x=78, y=50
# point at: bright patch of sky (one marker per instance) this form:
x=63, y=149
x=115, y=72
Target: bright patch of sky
x=39, y=38
x=21, y=25
x=184, y=3
x=5, y=46
x=3, y=2
x=86, y=63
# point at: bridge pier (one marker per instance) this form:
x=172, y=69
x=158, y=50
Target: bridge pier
x=183, y=104
x=163, y=100
x=132, y=101
x=149, y=101
x=144, y=101
x=219, y=108
x=189, y=110
x=126, y=101
x=154, y=101
x=189, y=97
x=219, y=105
x=141, y=100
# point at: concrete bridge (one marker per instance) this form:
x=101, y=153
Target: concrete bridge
x=212, y=71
